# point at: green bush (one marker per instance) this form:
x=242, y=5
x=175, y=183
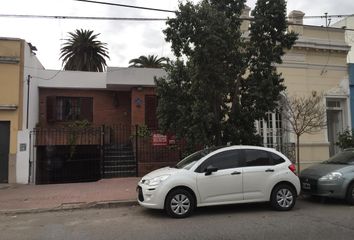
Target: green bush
x=345, y=139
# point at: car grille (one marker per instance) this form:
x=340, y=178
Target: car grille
x=140, y=194
x=311, y=181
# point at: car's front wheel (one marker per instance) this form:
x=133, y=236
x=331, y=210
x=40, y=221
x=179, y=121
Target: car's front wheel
x=350, y=194
x=179, y=203
x=283, y=197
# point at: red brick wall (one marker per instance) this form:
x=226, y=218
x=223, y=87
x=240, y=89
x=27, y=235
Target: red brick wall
x=138, y=112
x=109, y=107
x=153, y=157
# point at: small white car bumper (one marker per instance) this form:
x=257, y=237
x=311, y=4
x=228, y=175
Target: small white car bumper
x=151, y=197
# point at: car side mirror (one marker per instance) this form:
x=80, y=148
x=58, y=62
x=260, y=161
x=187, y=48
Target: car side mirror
x=210, y=169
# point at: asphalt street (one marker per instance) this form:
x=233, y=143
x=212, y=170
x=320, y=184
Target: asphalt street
x=310, y=219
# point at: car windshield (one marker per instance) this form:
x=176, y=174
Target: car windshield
x=345, y=157
x=190, y=160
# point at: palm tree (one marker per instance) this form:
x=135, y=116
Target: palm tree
x=83, y=52
x=150, y=61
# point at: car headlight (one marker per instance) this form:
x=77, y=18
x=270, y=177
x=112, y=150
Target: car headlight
x=333, y=176
x=156, y=181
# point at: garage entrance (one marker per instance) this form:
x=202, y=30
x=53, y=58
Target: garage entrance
x=4, y=150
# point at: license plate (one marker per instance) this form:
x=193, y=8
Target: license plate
x=306, y=186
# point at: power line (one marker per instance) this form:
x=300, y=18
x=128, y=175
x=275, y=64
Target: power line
x=83, y=18
x=127, y=18
x=135, y=19
x=127, y=6
x=330, y=16
x=172, y=11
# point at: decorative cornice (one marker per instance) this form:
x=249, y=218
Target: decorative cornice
x=301, y=65
x=9, y=60
x=321, y=44
x=8, y=106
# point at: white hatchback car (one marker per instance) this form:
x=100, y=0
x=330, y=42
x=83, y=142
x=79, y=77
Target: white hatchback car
x=217, y=176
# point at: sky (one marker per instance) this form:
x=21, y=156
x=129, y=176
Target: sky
x=125, y=39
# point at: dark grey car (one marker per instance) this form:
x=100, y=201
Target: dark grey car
x=331, y=178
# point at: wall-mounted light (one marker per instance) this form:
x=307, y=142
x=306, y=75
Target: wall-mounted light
x=140, y=88
x=138, y=102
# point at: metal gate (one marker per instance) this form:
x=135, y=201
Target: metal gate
x=4, y=150
x=119, y=155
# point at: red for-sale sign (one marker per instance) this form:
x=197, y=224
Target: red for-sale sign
x=159, y=139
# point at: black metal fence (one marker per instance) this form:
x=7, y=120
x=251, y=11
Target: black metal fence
x=60, y=155
x=288, y=149
x=87, y=154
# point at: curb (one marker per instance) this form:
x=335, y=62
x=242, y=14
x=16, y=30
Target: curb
x=74, y=206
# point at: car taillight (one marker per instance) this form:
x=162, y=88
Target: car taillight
x=292, y=168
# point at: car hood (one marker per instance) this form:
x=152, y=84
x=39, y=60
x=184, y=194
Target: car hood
x=162, y=171
x=320, y=170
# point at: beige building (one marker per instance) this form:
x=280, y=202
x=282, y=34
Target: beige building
x=316, y=64
x=11, y=82
x=348, y=23
x=16, y=56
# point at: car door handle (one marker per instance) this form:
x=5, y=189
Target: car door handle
x=269, y=170
x=236, y=173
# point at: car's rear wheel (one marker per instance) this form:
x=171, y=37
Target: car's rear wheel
x=179, y=203
x=283, y=197
x=350, y=194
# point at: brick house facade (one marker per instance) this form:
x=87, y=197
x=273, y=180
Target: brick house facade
x=116, y=105
x=107, y=108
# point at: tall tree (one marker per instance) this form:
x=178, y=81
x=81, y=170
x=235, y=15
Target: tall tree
x=83, y=52
x=150, y=61
x=304, y=114
x=229, y=80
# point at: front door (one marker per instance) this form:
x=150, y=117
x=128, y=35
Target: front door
x=224, y=185
x=4, y=151
x=335, y=122
x=335, y=126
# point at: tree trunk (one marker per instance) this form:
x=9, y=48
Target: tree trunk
x=298, y=153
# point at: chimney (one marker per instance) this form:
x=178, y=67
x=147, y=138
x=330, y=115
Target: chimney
x=296, y=17
x=245, y=23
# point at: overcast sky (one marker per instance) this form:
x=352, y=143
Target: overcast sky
x=125, y=40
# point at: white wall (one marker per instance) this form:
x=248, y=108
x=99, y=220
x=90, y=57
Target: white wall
x=23, y=157
x=31, y=67
x=133, y=76
x=348, y=22
x=70, y=79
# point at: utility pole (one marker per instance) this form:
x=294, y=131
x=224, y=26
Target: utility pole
x=28, y=98
x=328, y=19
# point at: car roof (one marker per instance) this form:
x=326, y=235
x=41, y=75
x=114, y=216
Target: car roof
x=272, y=150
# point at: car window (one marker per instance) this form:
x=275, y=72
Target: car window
x=255, y=157
x=277, y=159
x=345, y=157
x=190, y=160
x=223, y=160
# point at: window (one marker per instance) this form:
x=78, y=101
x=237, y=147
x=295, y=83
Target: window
x=69, y=108
x=257, y=158
x=277, y=159
x=223, y=160
x=271, y=130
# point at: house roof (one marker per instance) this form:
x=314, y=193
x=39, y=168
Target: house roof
x=114, y=78
x=131, y=77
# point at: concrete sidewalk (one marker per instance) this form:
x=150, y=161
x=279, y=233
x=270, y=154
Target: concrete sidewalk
x=37, y=198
